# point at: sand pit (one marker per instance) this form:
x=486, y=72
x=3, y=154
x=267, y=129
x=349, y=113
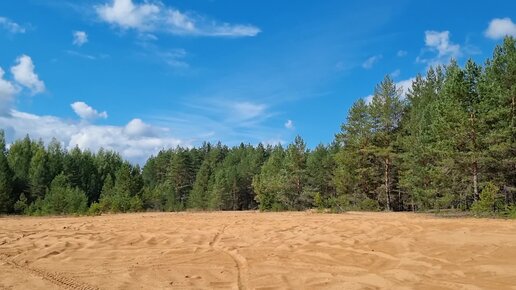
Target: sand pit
x=249, y=250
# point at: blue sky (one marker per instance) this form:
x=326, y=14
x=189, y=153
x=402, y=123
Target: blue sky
x=137, y=76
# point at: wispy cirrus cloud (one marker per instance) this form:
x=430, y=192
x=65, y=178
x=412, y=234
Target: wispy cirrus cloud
x=401, y=53
x=370, y=62
x=154, y=17
x=11, y=26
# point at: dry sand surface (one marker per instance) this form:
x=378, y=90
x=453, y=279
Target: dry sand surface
x=250, y=250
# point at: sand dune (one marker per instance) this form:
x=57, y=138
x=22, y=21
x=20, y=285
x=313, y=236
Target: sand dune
x=250, y=250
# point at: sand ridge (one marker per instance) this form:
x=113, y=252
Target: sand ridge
x=252, y=250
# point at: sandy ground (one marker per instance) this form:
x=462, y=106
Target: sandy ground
x=249, y=250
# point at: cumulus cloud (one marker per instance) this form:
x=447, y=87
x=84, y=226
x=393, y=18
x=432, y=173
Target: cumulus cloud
x=126, y=14
x=24, y=74
x=156, y=17
x=500, y=27
x=86, y=112
x=135, y=145
x=289, y=124
x=7, y=92
x=439, y=44
x=136, y=127
x=80, y=38
x=11, y=26
x=370, y=62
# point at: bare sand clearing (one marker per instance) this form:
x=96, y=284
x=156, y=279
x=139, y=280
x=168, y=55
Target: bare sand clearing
x=249, y=250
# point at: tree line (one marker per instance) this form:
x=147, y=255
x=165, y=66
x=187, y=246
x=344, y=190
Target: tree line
x=449, y=143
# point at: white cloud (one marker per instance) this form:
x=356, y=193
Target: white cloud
x=80, y=38
x=81, y=55
x=248, y=110
x=405, y=85
x=11, y=26
x=125, y=14
x=132, y=145
x=156, y=17
x=368, y=99
x=440, y=43
x=500, y=27
x=395, y=73
x=274, y=142
x=23, y=73
x=86, y=112
x=289, y=124
x=7, y=92
x=173, y=57
x=136, y=127
x=370, y=62
x=401, y=53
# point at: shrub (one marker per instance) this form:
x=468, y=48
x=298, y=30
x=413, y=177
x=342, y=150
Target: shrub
x=369, y=205
x=318, y=201
x=21, y=205
x=487, y=201
x=511, y=212
x=95, y=209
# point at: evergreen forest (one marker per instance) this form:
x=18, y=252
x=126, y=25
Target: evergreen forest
x=449, y=143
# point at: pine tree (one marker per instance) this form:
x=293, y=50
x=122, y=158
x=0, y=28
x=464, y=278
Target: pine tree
x=294, y=195
x=39, y=177
x=19, y=158
x=181, y=175
x=202, y=188
x=419, y=159
x=63, y=199
x=81, y=170
x=55, y=154
x=355, y=172
x=269, y=184
x=386, y=111
x=320, y=168
x=498, y=107
x=7, y=199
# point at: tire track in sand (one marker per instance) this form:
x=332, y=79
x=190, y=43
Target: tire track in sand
x=57, y=279
x=240, y=262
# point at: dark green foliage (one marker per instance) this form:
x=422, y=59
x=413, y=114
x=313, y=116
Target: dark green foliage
x=61, y=198
x=19, y=157
x=124, y=193
x=269, y=184
x=487, y=202
x=39, y=173
x=7, y=199
x=449, y=143
x=83, y=173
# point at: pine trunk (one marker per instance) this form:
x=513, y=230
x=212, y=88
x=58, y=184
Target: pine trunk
x=387, y=183
x=475, y=181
